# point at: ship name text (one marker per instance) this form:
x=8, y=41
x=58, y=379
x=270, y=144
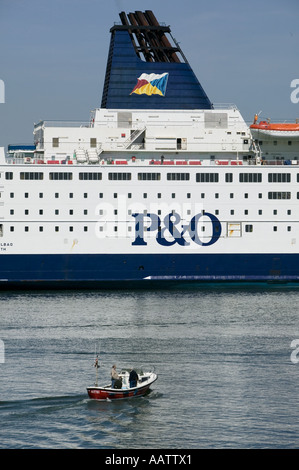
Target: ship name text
x=171, y=231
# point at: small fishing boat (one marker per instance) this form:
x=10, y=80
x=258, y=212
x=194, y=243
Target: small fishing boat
x=122, y=388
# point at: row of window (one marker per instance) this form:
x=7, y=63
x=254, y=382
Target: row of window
x=55, y=142
x=271, y=195
x=159, y=212
x=93, y=141
x=151, y=176
x=247, y=228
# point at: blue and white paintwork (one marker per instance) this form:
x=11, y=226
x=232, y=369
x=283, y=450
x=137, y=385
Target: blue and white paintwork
x=150, y=191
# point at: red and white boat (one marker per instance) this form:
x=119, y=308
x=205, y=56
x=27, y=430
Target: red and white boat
x=123, y=390
x=267, y=128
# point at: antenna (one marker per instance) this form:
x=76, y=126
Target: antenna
x=96, y=365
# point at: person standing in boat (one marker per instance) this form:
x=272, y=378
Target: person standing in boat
x=114, y=375
x=133, y=378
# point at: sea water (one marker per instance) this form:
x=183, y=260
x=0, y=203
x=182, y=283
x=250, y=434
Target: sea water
x=226, y=359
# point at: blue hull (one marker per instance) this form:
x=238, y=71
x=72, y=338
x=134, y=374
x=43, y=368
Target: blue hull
x=144, y=270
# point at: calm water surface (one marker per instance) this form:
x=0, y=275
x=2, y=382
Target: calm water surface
x=223, y=357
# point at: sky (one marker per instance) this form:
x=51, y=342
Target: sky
x=53, y=56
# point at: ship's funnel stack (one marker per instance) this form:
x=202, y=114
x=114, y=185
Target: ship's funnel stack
x=146, y=68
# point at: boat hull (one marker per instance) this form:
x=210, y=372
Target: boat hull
x=109, y=271
x=97, y=393
x=276, y=133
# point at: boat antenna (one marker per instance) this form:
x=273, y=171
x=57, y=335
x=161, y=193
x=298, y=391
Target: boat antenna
x=96, y=365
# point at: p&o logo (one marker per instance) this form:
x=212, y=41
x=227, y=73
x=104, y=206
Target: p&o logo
x=171, y=231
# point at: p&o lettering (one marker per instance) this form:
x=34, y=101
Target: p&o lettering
x=171, y=231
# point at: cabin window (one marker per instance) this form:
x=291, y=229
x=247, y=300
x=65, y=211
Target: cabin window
x=250, y=177
x=149, y=176
x=31, y=175
x=60, y=176
x=207, y=177
x=119, y=176
x=178, y=176
x=55, y=142
x=90, y=176
x=249, y=228
x=279, y=195
x=280, y=177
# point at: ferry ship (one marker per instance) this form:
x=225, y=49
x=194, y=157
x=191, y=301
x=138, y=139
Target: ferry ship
x=159, y=186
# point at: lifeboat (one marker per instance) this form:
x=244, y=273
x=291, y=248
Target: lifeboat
x=267, y=128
